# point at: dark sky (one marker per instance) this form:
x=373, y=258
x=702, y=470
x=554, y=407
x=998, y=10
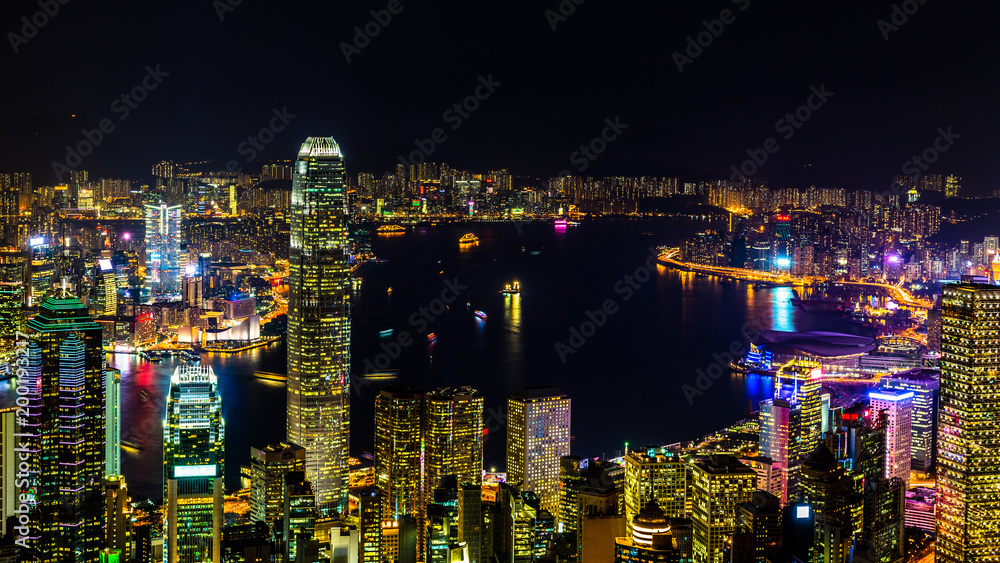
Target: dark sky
x=607, y=59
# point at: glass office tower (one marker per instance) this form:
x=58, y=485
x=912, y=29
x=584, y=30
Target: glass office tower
x=163, y=249
x=319, y=321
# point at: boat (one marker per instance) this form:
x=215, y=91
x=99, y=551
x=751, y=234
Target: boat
x=760, y=285
x=479, y=314
x=135, y=445
x=726, y=281
x=390, y=229
x=270, y=376
x=386, y=374
x=468, y=238
x=389, y=291
x=143, y=394
x=431, y=337
x=701, y=275
x=560, y=223
x=386, y=332
x=511, y=289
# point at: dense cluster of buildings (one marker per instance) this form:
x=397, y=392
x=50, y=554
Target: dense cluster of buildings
x=810, y=477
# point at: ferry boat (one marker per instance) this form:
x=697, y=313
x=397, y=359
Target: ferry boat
x=560, y=223
x=385, y=333
x=390, y=229
x=511, y=289
x=479, y=314
x=468, y=238
x=432, y=337
x=136, y=445
x=387, y=374
x=192, y=356
x=270, y=376
x=700, y=275
x=389, y=291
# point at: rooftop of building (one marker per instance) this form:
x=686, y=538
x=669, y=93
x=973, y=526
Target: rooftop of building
x=540, y=392
x=723, y=464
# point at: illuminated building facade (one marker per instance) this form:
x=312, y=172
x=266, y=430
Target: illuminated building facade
x=924, y=384
x=193, y=464
x=319, y=320
x=117, y=516
x=836, y=499
x=113, y=422
x=398, y=448
x=898, y=406
x=968, y=462
x=658, y=475
x=163, y=249
x=453, y=436
x=570, y=481
x=791, y=421
x=66, y=368
x=538, y=434
x=268, y=467
x=760, y=521
x=11, y=296
x=719, y=484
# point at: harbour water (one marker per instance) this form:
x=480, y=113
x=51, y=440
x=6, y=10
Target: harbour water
x=659, y=329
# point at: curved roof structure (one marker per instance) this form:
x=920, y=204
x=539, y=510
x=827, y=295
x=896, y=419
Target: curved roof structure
x=816, y=343
x=319, y=147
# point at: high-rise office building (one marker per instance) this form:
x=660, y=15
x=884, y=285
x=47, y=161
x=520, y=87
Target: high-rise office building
x=968, y=461
x=470, y=519
x=369, y=525
x=924, y=384
x=898, y=406
x=11, y=296
x=300, y=514
x=67, y=413
x=268, y=466
x=790, y=422
x=884, y=518
x=719, y=484
x=538, y=434
x=398, y=451
x=163, y=249
x=106, y=298
x=453, y=436
x=655, y=474
x=570, y=481
x=319, y=319
x=193, y=466
x=113, y=417
x=760, y=521
x=117, y=517
x=9, y=490
x=835, y=497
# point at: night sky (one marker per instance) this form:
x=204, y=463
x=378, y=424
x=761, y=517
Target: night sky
x=606, y=59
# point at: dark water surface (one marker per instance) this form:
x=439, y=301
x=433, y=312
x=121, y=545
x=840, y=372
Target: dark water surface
x=625, y=378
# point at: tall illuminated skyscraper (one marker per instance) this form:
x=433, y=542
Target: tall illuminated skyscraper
x=719, y=484
x=790, y=421
x=319, y=319
x=898, y=406
x=657, y=475
x=67, y=423
x=538, y=433
x=163, y=249
x=11, y=296
x=193, y=464
x=453, y=436
x=968, y=462
x=398, y=451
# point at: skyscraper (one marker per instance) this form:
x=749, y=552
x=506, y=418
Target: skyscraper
x=924, y=384
x=193, y=466
x=113, y=426
x=66, y=367
x=899, y=409
x=968, y=436
x=719, y=484
x=453, y=436
x=268, y=466
x=657, y=475
x=319, y=320
x=163, y=249
x=398, y=449
x=11, y=296
x=538, y=433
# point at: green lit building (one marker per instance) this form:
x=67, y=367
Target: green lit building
x=968, y=454
x=67, y=422
x=193, y=464
x=319, y=320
